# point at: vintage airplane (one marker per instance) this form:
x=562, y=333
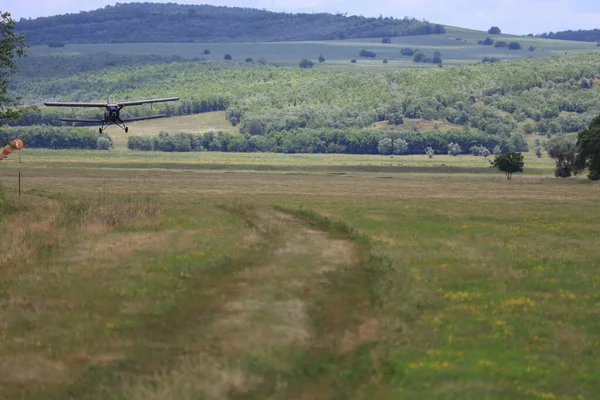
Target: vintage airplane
x=111, y=112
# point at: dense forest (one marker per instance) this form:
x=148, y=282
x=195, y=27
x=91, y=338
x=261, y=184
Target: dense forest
x=322, y=109
x=155, y=22
x=592, y=35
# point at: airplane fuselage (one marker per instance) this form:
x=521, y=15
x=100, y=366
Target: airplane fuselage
x=111, y=113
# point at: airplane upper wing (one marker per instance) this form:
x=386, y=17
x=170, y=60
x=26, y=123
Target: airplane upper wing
x=97, y=121
x=142, y=118
x=139, y=102
x=67, y=104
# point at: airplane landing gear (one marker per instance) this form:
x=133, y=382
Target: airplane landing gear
x=100, y=130
x=126, y=129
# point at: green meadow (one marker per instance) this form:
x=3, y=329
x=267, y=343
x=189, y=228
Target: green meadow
x=269, y=276
x=291, y=275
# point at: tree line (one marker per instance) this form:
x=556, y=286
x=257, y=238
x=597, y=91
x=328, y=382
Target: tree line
x=154, y=22
x=582, y=35
x=347, y=141
x=52, y=137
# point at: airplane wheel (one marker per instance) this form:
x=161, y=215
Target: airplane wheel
x=100, y=130
x=126, y=129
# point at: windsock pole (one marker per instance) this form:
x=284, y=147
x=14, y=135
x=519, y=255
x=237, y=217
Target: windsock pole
x=9, y=148
x=16, y=144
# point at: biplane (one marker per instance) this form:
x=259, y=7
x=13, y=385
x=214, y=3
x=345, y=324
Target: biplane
x=111, y=112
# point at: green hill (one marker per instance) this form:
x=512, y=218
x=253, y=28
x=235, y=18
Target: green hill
x=152, y=22
x=297, y=110
x=457, y=46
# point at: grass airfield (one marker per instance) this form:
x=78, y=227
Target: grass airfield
x=212, y=275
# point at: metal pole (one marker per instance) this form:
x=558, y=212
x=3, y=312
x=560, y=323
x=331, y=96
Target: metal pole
x=19, y=176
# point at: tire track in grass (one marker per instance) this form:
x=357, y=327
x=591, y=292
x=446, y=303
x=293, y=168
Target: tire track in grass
x=293, y=317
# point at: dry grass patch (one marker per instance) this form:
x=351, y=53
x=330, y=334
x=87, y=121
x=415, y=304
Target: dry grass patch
x=110, y=248
x=249, y=325
x=32, y=368
x=200, y=376
x=366, y=331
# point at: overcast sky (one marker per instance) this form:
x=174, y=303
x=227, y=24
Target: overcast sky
x=512, y=16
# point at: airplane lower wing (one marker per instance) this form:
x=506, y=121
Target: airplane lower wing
x=94, y=121
x=143, y=118
x=66, y=104
x=139, y=102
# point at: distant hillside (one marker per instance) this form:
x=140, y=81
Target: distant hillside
x=580, y=35
x=152, y=22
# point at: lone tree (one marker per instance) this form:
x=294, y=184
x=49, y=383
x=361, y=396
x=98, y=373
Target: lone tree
x=321, y=59
x=11, y=46
x=508, y=163
x=588, y=144
x=563, y=150
x=437, y=57
x=494, y=30
x=306, y=63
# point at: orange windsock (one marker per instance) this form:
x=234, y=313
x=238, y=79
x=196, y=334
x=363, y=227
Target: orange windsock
x=9, y=148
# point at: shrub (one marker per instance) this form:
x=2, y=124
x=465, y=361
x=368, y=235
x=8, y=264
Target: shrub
x=249, y=59
x=103, y=142
x=206, y=51
x=400, y=146
x=500, y=43
x=494, y=30
x=430, y=152
x=385, y=60
x=353, y=61
x=488, y=41
x=454, y=149
x=385, y=146
x=386, y=40
x=490, y=60
x=420, y=57
x=227, y=56
x=367, y=53
x=395, y=119
x=321, y=59
x=306, y=63
x=478, y=150
x=514, y=46
x=140, y=143
x=538, y=152
x=407, y=51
